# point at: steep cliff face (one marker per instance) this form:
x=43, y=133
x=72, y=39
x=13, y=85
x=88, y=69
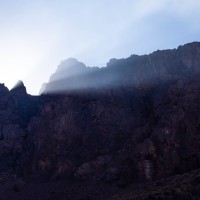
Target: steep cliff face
x=143, y=125
x=16, y=109
x=123, y=135
x=83, y=134
x=135, y=120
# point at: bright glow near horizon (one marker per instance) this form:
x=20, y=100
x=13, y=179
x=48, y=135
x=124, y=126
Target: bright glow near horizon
x=36, y=35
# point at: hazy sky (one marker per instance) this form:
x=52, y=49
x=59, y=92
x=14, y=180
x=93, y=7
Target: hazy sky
x=35, y=35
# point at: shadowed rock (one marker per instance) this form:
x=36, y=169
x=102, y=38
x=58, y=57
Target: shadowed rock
x=141, y=125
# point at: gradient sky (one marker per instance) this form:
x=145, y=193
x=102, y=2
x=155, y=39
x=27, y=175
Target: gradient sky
x=35, y=35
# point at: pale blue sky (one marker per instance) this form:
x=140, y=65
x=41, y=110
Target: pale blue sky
x=36, y=35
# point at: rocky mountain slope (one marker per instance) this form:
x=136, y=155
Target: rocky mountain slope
x=135, y=120
x=136, y=71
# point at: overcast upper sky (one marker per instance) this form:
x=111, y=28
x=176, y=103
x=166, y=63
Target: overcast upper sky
x=35, y=35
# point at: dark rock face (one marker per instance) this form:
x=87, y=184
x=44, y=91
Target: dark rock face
x=121, y=134
x=83, y=132
x=16, y=109
x=141, y=124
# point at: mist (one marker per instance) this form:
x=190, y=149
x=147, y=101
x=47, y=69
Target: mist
x=36, y=35
x=135, y=71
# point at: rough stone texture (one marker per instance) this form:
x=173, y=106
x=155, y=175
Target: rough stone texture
x=147, y=126
x=141, y=125
x=16, y=109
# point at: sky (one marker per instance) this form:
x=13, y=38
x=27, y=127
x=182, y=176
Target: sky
x=35, y=36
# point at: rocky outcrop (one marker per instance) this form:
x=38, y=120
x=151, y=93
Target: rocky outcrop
x=66, y=76
x=117, y=135
x=141, y=127
x=16, y=109
x=138, y=71
x=135, y=120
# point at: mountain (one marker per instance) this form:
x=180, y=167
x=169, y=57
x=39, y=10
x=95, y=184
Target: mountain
x=66, y=76
x=127, y=127
x=136, y=71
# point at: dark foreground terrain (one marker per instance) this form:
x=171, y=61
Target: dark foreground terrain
x=130, y=130
x=186, y=187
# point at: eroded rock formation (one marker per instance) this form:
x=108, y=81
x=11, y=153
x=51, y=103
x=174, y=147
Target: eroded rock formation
x=135, y=120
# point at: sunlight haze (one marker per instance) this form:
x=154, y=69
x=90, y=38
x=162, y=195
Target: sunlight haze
x=37, y=35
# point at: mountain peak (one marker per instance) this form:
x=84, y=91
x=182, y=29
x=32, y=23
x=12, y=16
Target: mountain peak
x=3, y=89
x=132, y=71
x=68, y=68
x=19, y=88
x=70, y=63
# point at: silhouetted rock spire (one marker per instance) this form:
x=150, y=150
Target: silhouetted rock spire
x=19, y=88
x=3, y=89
